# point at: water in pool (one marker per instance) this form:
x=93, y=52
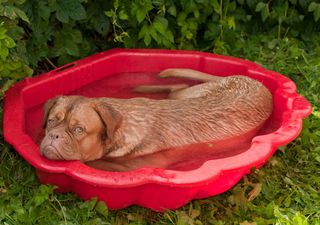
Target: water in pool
x=182, y=158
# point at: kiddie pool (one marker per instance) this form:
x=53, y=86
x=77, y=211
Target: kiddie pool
x=114, y=73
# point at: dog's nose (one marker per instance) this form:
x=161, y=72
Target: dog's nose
x=54, y=136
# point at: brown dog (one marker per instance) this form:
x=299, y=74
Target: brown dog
x=87, y=129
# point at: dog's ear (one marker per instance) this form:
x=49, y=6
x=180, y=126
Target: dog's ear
x=110, y=117
x=47, y=108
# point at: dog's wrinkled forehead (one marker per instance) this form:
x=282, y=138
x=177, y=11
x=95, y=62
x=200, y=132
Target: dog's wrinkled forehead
x=66, y=104
x=60, y=107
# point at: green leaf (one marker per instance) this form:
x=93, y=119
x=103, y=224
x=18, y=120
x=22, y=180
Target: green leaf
x=160, y=24
x=3, y=32
x=7, y=84
x=102, y=209
x=90, y=204
x=260, y=6
x=312, y=7
x=72, y=49
x=9, y=42
x=189, y=35
x=315, y=8
x=4, y=72
x=144, y=31
x=317, y=14
x=76, y=36
x=64, y=59
x=216, y=6
x=196, y=13
x=172, y=10
x=7, y=11
x=141, y=15
x=70, y=9
x=265, y=13
x=62, y=16
x=300, y=219
x=109, y=13
x=170, y=36
x=273, y=43
x=13, y=65
x=21, y=14
x=13, y=12
x=4, y=52
x=154, y=34
x=141, y=9
x=181, y=18
x=42, y=195
x=78, y=12
x=28, y=71
x=43, y=9
x=231, y=23
x=264, y=9
x=147, y=40
x=101, y=24
x=231, y=6
x=123, y=15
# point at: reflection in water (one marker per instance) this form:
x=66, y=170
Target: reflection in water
x=182, y=158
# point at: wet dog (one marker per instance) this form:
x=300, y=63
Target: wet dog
x=220, y=108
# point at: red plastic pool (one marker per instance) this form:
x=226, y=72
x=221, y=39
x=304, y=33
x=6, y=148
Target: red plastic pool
x=113, y=74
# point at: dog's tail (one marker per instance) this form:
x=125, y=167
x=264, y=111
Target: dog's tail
x=189, y=74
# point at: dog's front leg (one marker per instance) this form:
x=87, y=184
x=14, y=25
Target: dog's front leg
x=159, y=88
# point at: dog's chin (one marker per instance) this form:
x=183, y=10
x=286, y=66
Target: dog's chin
x=50, y=152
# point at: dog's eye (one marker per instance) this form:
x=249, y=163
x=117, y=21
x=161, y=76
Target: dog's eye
x=78, y=130
x=50, y=122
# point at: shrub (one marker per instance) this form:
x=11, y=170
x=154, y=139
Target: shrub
x=40, y=35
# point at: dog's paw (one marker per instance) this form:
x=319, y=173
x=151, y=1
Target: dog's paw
x=166, y=73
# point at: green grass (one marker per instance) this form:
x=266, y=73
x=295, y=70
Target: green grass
x=284, y=191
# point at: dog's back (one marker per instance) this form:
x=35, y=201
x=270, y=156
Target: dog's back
x=217, y=110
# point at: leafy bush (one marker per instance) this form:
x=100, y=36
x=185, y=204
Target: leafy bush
x=13, y=62
x=44, y=34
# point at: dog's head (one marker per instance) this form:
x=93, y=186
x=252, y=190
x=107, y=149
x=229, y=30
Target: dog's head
x=78, y=128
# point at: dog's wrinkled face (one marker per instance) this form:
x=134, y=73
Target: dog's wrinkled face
x=77, y=128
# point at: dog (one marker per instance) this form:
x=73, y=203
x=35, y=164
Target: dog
x=122, y=130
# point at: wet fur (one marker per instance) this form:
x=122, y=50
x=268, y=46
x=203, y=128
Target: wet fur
x=218, y=109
